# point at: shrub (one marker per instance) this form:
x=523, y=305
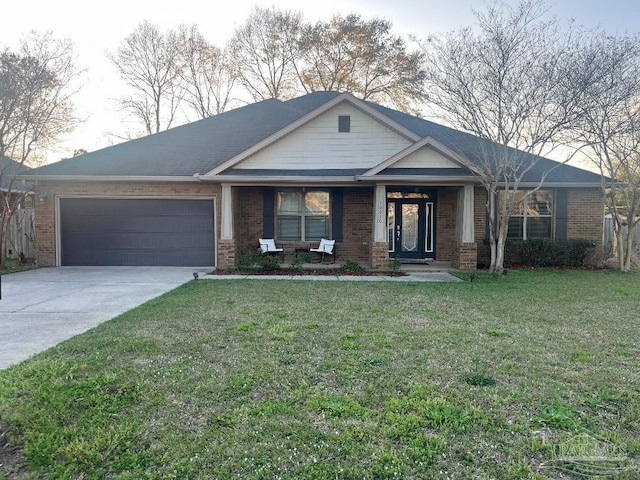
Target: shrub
x=268, y=262
x=352, y=266
x=547, y=253
x=248, y=261
x=256, y=261
x=395, y=264
x=301, y=259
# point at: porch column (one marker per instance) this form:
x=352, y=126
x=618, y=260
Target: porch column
x=380, y=214
x=380, y=247
x=226, y=212
x=464, y=224
x=466, y=250
x=226, y=245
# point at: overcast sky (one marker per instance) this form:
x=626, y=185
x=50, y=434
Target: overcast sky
x=98, y=27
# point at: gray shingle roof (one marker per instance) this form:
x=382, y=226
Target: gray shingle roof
x=197, y=147
x=203, y=145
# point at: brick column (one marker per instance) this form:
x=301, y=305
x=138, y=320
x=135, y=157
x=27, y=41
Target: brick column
x=45, y=230
x=465, y=256
x=380, y=255
x=226, y=254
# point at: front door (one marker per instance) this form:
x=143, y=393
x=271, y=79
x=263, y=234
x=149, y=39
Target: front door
x=411, y=228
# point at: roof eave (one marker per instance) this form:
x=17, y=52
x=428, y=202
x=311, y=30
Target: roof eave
x=110, y=178
x=431, y=179
x=260, y=179
x=558, y=185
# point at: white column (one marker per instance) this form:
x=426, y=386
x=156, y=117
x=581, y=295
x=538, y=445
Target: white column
x=464, y=218
x=380, y=214
x=226, y=222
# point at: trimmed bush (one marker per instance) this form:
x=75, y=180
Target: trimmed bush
x=547, y=253
x=257, y=262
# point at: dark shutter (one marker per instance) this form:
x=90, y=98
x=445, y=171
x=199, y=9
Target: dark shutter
x=268, y=211
x=561, y=213
x=337, y=201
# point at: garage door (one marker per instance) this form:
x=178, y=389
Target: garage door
x=169, y=232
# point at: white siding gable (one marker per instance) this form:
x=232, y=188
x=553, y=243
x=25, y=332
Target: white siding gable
x=425, y=157
x=319, y=145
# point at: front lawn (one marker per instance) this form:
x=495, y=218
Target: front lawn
x=309, y=379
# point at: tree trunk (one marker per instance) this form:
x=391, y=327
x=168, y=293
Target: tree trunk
x=621, y=244
x=629, y=246
x=3, y=242
x=491, y=212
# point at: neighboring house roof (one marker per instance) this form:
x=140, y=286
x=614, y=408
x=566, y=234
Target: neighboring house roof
x=9, y=169
x=216, y=145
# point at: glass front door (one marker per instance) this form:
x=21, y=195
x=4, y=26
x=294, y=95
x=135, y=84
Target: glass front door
x=410, y=225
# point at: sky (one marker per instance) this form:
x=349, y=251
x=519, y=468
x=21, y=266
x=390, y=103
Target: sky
x=96, y=28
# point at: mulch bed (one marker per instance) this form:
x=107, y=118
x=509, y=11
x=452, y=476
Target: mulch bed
x=313, y=271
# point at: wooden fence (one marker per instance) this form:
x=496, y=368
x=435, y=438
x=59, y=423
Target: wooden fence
x=609, y=235
x=21, y=234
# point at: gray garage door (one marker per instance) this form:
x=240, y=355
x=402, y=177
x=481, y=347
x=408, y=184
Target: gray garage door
x=97, y=231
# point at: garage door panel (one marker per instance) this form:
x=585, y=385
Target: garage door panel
x=146, y=232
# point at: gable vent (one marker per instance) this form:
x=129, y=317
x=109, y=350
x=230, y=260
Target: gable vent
x=344, y=123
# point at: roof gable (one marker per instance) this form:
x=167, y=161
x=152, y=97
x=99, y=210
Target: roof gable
x=318, y=144
x=344, y=101
x=426, y=153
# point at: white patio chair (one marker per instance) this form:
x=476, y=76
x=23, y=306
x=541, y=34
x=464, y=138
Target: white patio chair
x=268, y=247
x=326, y=247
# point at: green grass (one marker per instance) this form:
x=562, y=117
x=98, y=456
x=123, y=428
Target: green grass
x=278, y=379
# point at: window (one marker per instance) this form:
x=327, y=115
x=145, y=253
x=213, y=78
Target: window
x=302, y=214
x=344, y=123
x=532, y=216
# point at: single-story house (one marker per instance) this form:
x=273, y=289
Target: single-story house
x=383, y=184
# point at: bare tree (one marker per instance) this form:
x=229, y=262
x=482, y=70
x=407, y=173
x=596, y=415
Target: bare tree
x=36, y=85
x=208, y=73
x=362, y=57
x=148, y=61
x=264, y=49
x=505, y=81
x=610, y=128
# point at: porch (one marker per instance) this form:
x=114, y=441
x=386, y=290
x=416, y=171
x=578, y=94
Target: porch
x=422, y=228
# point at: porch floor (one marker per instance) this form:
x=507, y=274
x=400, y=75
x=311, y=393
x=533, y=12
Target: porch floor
x=405, y=267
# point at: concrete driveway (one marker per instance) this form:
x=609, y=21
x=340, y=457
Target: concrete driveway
x=41, y=308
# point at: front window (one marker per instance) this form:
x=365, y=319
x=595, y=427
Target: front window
x=532, y=216
x=302, y=214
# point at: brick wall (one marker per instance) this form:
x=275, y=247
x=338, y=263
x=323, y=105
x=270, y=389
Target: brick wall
x=480, y=225
x=446, y=223
x=585, y=212
x=356, y=224
x=247, y=221
x=45, y=214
